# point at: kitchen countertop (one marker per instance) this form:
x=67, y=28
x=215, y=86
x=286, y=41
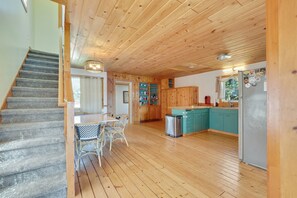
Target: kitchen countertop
x=201, y=107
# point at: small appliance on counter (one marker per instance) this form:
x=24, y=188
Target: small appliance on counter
x=207, y=100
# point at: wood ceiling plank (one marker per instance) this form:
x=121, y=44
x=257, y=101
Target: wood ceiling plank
x=244, y=2
x=75, y=18
x=119, y=11
x=157, y=36
x=124, y=29
x=168, y=26
x=89, y=9
x=231, y=31
x=146, y=26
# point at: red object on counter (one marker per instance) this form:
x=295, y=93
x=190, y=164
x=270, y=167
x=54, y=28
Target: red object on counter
x=207, y=100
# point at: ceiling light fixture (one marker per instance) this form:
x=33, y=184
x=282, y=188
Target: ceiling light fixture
x=222, y=57
x=94, y=66
x=227, y=70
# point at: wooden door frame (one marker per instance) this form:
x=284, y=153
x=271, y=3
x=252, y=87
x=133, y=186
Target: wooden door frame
x=130, y=90
x=281, y=19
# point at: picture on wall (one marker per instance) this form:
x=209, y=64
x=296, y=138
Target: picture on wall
x=125, y=97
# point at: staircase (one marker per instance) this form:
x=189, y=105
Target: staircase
x=32, y=149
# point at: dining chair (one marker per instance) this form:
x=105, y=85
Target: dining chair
x=89, y=140
x=117, y=131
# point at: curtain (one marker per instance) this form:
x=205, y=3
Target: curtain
x=220, y=88
x=91, y=95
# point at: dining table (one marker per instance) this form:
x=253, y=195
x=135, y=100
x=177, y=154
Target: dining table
x=94, y=119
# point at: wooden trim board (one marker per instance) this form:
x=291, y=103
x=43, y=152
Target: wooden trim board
x=222, y=132
x=281, y=97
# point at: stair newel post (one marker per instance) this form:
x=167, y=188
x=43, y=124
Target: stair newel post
x=68, y=113
x=69, y=132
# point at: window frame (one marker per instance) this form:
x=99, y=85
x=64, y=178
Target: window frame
x=76, y=107
x=223, y=80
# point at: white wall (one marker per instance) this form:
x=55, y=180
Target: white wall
x=15, y=39
x=82, y=72
x=45, y=26
x=121, y=107
x=37, y=28
x=207, y=81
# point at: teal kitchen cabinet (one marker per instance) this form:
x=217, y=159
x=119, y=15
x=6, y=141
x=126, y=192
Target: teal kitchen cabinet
x=216, y=119
x=205, y=120
x=231, y=121
x=193, y=120
x=224, y=120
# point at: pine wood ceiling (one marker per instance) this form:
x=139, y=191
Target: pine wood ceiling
x=165, y=38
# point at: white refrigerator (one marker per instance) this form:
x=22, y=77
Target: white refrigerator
x=252, y=117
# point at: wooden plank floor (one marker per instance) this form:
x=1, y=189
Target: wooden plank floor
x=154, y=165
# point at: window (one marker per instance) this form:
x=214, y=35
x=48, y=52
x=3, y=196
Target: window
x=230, y=87
x=76, y=91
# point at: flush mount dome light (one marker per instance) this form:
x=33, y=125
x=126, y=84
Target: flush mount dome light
x=222, y=57
x=94, y=66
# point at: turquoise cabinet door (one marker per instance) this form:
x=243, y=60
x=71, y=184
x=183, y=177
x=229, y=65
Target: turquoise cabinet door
x=231, y=121
x=197, y=121
x=190, y=121
x=201, y=119
x=205, y=120
x=184, y=124
x=217, y=119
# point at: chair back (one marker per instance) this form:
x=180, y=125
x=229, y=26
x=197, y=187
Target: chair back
x=123, y=121
x=87, y=131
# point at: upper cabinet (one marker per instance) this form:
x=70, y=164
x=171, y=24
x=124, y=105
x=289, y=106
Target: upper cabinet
x=167, y=83
x=187, y=96
x=182, y=96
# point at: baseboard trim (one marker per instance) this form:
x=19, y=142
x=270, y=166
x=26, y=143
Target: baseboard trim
x=155, y=120
x=194, y=132
x=222, y=132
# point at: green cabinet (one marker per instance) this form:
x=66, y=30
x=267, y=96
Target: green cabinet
x=224, y=120
x=216, y=119
x=203, y=119
x=194, y=120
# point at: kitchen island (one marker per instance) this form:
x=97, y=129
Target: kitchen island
x=202, y=118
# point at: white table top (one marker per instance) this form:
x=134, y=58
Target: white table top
x=93, y=118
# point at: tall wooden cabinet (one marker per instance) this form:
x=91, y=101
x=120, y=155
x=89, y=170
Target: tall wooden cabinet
x=149, y=102
x=182, y=96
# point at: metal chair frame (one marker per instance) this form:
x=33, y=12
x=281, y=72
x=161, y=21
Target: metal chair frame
x=117, y=131
x=85, y=137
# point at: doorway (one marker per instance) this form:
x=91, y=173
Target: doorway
x=123, y=99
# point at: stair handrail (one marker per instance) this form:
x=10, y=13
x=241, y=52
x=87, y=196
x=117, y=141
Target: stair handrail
x=65, y=98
